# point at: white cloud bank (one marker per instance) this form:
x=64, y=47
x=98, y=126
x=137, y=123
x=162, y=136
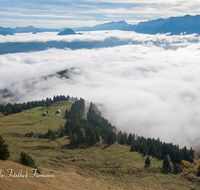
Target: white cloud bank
x=145, y=89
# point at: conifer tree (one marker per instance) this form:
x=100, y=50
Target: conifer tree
x=198, y=173
x=132, y=148
x=26, y=160
x=166, y=163
x=147, y=162
x=4, y=152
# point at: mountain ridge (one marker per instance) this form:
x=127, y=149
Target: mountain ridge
x=187, y=24
x=175, y=25
x=105, y=26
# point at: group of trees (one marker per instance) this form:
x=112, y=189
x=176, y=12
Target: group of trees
x=88, y=131
x=156, y=148
x=17, y=108
x=171, y=155
x=81, y=130
x=51, y=134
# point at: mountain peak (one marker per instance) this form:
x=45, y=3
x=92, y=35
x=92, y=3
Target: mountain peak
x=67, y=31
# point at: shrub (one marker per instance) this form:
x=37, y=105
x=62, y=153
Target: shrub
x=26, y=160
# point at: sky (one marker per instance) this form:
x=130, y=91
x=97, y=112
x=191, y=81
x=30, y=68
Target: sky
x=76, y=13
x=150, y=87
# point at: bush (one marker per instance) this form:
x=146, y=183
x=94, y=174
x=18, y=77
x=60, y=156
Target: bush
x=26, y=160
x=4, y=152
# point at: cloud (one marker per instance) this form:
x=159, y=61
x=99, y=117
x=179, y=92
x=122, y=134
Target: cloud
x=145, y=88
x=45, y=13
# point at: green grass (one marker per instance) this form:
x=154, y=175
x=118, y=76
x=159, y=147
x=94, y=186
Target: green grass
x=13, y=128
x=32, y=120
x=114, y=164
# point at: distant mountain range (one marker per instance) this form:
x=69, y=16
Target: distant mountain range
x=175, y=25
x=35, y=30
x=6, y=31
x=10, y=31
x=106, y=26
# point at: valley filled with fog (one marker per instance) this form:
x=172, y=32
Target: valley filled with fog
x=146, y=84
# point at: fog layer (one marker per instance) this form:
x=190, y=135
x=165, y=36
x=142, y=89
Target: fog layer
x=145, y=88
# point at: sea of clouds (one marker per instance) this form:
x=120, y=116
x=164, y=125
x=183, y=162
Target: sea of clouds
x=150, y=87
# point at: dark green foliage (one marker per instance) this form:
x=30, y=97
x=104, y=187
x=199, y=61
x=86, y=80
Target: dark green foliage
x=88, y=131
x=147, y=162
x=166, y=164
x=191, y=152
x=132, y=149
x=74, y=139
x=141, y=149
x=62, y=132
x=176, y=169
x=131, y=138
x=159, y=150
x=111, y=137
x=119, y=136
x=26, y=160
x=50, y=134
x=123, y=139
x=4, y=152
x=198, y=172
x=29, y=134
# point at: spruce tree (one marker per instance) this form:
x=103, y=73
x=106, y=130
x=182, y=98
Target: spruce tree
x=198, y=173
x=166, y=164
x=26, y=160
x=148, y=162
x=4, y=152
x=132, y=148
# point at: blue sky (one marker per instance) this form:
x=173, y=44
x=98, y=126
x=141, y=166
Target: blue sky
x=68, y=13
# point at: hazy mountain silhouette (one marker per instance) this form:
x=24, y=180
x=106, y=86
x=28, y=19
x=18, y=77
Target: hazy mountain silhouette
x=7, y=31
x=175, y=25
x=105, y=26
x=34, y=30
x=10, y=31
x=68, y=31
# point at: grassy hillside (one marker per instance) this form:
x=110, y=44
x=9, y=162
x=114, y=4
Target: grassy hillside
x=13, y=128
x=97, y=167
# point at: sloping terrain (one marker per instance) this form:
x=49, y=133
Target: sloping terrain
x=96, y=167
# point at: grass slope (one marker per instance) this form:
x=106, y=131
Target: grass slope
x=97, y=167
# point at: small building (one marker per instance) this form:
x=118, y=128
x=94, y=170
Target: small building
x=58, y=111
x=44, y=114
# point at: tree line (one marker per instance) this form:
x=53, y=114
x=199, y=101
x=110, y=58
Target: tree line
x=17, y=108
x=171, y=154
